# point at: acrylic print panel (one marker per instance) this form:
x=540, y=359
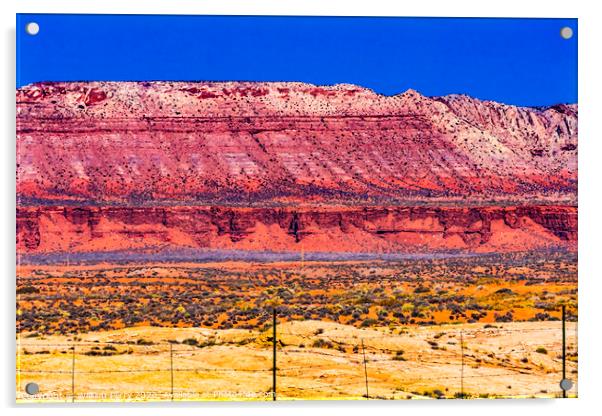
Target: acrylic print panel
x=278, y=208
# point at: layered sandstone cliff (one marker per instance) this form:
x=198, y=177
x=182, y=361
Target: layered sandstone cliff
x=283, y=144
x=105, y=167
x=384, y=230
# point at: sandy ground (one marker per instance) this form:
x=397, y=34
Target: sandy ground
x=315, y=360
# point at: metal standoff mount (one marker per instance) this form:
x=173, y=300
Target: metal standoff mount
x=32, y=388
x=566, y=384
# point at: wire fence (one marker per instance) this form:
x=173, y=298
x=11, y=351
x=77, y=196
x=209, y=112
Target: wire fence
x=293, y=361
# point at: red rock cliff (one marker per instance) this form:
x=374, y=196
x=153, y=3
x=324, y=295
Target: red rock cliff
x=392, y=229
x=266, y=144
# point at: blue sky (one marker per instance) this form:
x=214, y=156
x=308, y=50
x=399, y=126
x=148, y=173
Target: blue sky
x=516, y=61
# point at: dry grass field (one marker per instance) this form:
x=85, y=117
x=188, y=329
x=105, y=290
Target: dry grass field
x=473, y=327
x=315, y=360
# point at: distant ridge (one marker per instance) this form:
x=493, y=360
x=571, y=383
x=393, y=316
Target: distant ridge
x=145, y=143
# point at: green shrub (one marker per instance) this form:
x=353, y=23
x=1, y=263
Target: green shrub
x=368, y=322
x=191, y=341
x=321, y=343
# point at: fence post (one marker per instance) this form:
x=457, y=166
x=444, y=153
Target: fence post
x=171, y=367
x=365, y=370
x=274, y=354
x=73, y=374
x=563, y=347
x=462, y=366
